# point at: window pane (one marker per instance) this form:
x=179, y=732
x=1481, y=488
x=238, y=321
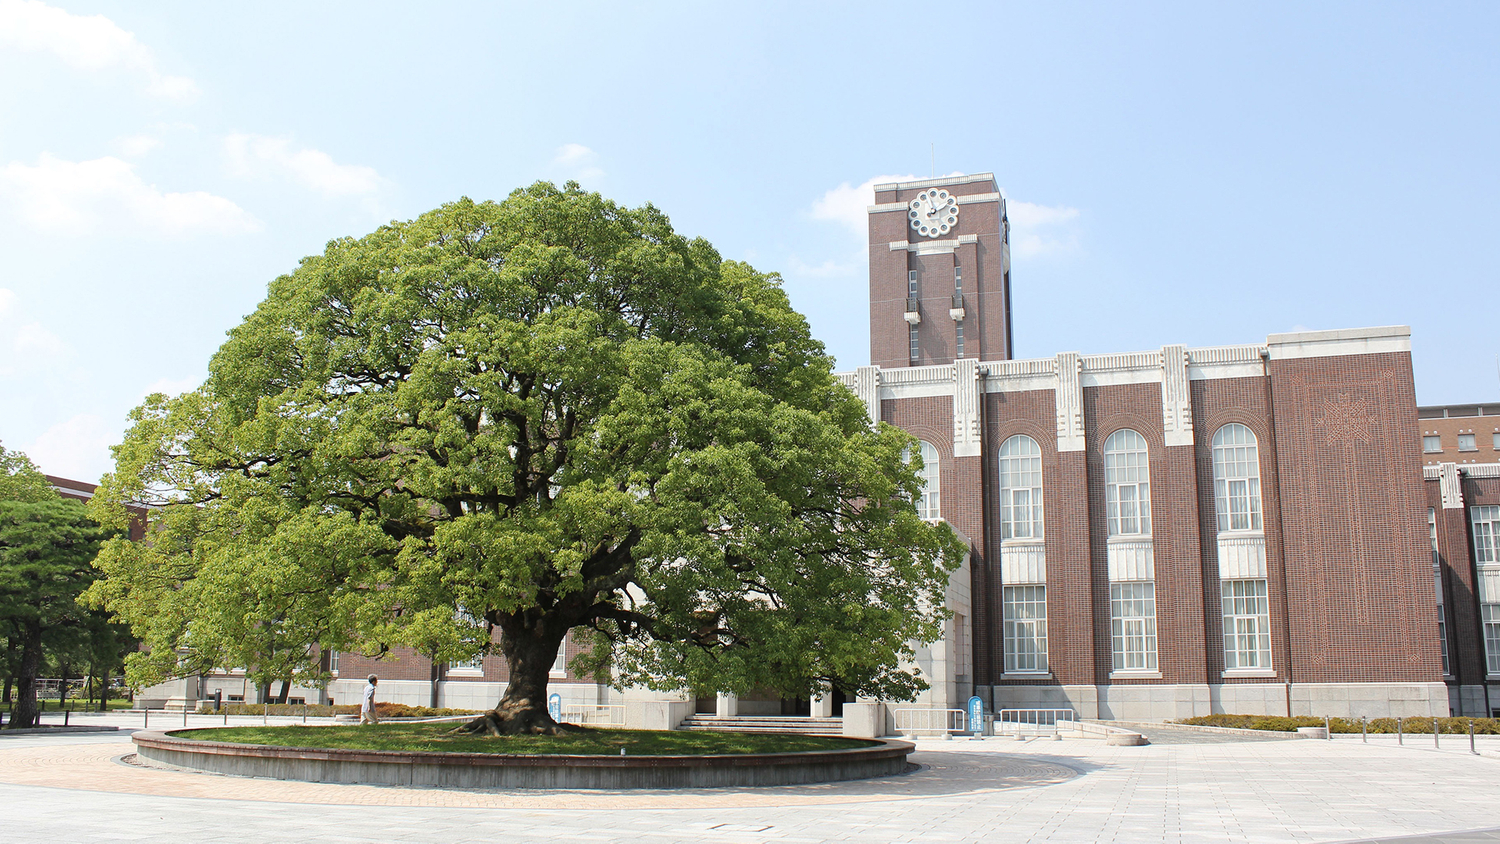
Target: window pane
x=1025, y=627
x=1133, y=624
x=1020, y=488
x=1247, y=627
x=1236, y=461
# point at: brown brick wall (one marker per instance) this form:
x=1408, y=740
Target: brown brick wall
x=985, y=320
x=1031, y=413
x=1356, y=550
x=1179, y=617
x=1217, y=403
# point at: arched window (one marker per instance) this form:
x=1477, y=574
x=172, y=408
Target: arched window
x=1020, y=488
x=929, y=502
x=1127, y=484
x=1237, y=478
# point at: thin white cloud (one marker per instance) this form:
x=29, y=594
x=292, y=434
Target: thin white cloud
x=577, y=162
x=78, y=196
x=26, y=346
x=1039, y=230
x=135, y=146
x=92, y=43
x=77, y=448
x=828, y=269
x=260, y=156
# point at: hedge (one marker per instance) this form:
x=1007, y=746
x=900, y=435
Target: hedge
x=382, y=709
x=1276, y=723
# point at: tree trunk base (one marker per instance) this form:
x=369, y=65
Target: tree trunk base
x=523, y=722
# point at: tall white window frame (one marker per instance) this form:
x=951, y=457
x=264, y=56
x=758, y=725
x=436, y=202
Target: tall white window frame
x=1247, y=624
x=1024, y=614
x=1020, y=488
x=1437, y=586
x=560, y=663
x=1127, y=484
x=1132, y=612
x=958, y=333
x=915, y=340
x=929, y=502
x=1236, y=456
x=1489, y=615
x=1485, y=522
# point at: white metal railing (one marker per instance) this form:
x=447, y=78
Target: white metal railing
x=912, y=720
x=1035, y=721
x=600, y=714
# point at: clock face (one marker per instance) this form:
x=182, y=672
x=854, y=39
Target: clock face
x=933, y=212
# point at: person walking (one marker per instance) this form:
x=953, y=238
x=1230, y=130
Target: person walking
x=367, y=709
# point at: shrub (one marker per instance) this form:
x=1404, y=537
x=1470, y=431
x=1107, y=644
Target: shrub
x=1276, y=723
x=382, y=709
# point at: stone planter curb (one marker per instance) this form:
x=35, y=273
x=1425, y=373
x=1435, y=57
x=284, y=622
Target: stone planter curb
x=484, y=770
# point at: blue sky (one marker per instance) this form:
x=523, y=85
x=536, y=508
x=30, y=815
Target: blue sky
x=1178, y=173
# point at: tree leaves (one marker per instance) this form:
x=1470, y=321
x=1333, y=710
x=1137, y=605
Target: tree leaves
x=546, y=413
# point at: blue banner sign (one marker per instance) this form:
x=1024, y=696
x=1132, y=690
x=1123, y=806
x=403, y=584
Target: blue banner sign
x=976, y=714
x=554, y=706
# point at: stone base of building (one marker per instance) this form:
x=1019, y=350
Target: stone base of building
x=1474, y=701
x=1169, y=702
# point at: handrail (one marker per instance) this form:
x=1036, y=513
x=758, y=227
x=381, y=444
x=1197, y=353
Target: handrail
x=911, y=720
x=612, y=714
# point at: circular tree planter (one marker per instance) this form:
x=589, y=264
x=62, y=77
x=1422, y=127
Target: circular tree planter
x=486, y=770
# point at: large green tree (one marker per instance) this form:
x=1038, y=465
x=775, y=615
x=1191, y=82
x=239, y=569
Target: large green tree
x=547, y=414
x=46, y=553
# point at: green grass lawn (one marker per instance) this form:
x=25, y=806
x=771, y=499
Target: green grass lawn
x=589, y=742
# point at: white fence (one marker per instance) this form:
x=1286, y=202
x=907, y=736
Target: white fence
x=1035, y=722
x=601, y=715
x=912, y=720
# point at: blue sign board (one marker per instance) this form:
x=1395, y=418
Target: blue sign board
x=976, y=714
x=554, y=706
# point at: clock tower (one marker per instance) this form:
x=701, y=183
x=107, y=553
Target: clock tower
x=939, y=272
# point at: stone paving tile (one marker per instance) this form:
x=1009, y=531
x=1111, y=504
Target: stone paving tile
x=1251, y=791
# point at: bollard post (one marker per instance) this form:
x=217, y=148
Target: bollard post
x=226, y=716
x=1400, y=739
x=265, y=710
x=304, y=713
x=1364, y=729
x=1327, y=729
x=66, y=713
x=1435, y=730
x=1471, y=738
x=184, y=715
x=145, y=719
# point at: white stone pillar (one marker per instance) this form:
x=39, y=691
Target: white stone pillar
x=726, y=705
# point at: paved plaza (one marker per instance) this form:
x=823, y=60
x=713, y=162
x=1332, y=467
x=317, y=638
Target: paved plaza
x=1188, y=785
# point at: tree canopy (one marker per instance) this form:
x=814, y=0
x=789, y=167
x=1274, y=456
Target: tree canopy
x=546, y=414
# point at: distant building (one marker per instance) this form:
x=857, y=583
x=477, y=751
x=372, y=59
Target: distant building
x=1459, y=433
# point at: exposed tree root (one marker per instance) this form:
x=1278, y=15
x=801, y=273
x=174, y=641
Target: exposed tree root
x=525, y=722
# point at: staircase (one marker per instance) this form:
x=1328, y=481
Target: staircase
x=766, y=724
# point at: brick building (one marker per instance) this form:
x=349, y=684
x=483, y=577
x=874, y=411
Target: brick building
x=1153, y=534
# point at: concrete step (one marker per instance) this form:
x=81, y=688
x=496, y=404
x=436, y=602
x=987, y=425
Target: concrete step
x=765, y=724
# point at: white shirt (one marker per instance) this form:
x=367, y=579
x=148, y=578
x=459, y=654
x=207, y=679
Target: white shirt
x=369, y=696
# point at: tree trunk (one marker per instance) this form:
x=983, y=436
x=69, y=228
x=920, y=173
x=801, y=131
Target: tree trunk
x=523, y=708
x=25, y=713
x=104, y=688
